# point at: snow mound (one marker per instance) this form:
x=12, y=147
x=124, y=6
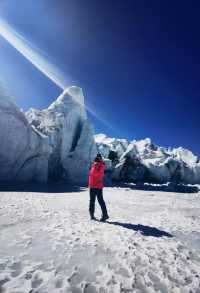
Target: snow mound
x=143, y=161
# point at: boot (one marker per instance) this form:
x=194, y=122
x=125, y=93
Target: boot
x=104, y=218
x=92, y=217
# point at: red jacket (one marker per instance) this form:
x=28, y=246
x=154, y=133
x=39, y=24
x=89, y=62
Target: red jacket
x=96, y=175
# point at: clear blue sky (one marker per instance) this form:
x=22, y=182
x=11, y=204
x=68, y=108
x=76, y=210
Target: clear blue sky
x=138, y=63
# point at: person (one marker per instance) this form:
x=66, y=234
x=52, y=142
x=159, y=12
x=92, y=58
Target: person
x=96, y=175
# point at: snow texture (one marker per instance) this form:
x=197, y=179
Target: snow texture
x=151, y=243
x=143, y=161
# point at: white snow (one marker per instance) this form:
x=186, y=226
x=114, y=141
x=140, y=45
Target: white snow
x=48, y=244
x=149, y=162
x=186, y=155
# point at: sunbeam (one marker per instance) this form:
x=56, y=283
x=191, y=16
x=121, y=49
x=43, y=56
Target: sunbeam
x=34, y=55
x=40, y=60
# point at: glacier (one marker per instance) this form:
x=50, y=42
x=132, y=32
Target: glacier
x=24, y=151
x=58, y=143
x=70, y=135
x=143, y=161
x=51, y=144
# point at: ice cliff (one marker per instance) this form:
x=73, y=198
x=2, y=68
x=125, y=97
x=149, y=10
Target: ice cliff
x=143, y=161
x=24, y=151
x=51, y=144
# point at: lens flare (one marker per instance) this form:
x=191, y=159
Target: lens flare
x=33, y=54
x=40, y=60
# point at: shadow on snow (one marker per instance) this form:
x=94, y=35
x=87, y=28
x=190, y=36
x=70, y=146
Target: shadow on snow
x=144, y=230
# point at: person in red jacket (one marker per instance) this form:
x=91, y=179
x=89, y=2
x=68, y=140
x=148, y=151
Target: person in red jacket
x=96, y=175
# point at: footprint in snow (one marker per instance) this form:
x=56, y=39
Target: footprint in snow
x=89, y=288
x=59, y=283
x=74, y=290
x=16, y=269
x=3, y=281
x=36, y=281
x=2, y=266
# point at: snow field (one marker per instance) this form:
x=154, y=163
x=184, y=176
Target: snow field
x=151, y=242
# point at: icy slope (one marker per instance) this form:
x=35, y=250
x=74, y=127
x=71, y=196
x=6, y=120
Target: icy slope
x=143, y=161
x=48, y=244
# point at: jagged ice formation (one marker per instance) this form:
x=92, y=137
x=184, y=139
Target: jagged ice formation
x=51, y=144
x=143, y=161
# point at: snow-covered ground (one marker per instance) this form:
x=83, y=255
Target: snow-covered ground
x=150, y=244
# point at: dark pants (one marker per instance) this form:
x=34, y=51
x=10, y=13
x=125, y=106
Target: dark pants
x=99, y=193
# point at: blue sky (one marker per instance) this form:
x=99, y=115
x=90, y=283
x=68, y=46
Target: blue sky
x=137, y=62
